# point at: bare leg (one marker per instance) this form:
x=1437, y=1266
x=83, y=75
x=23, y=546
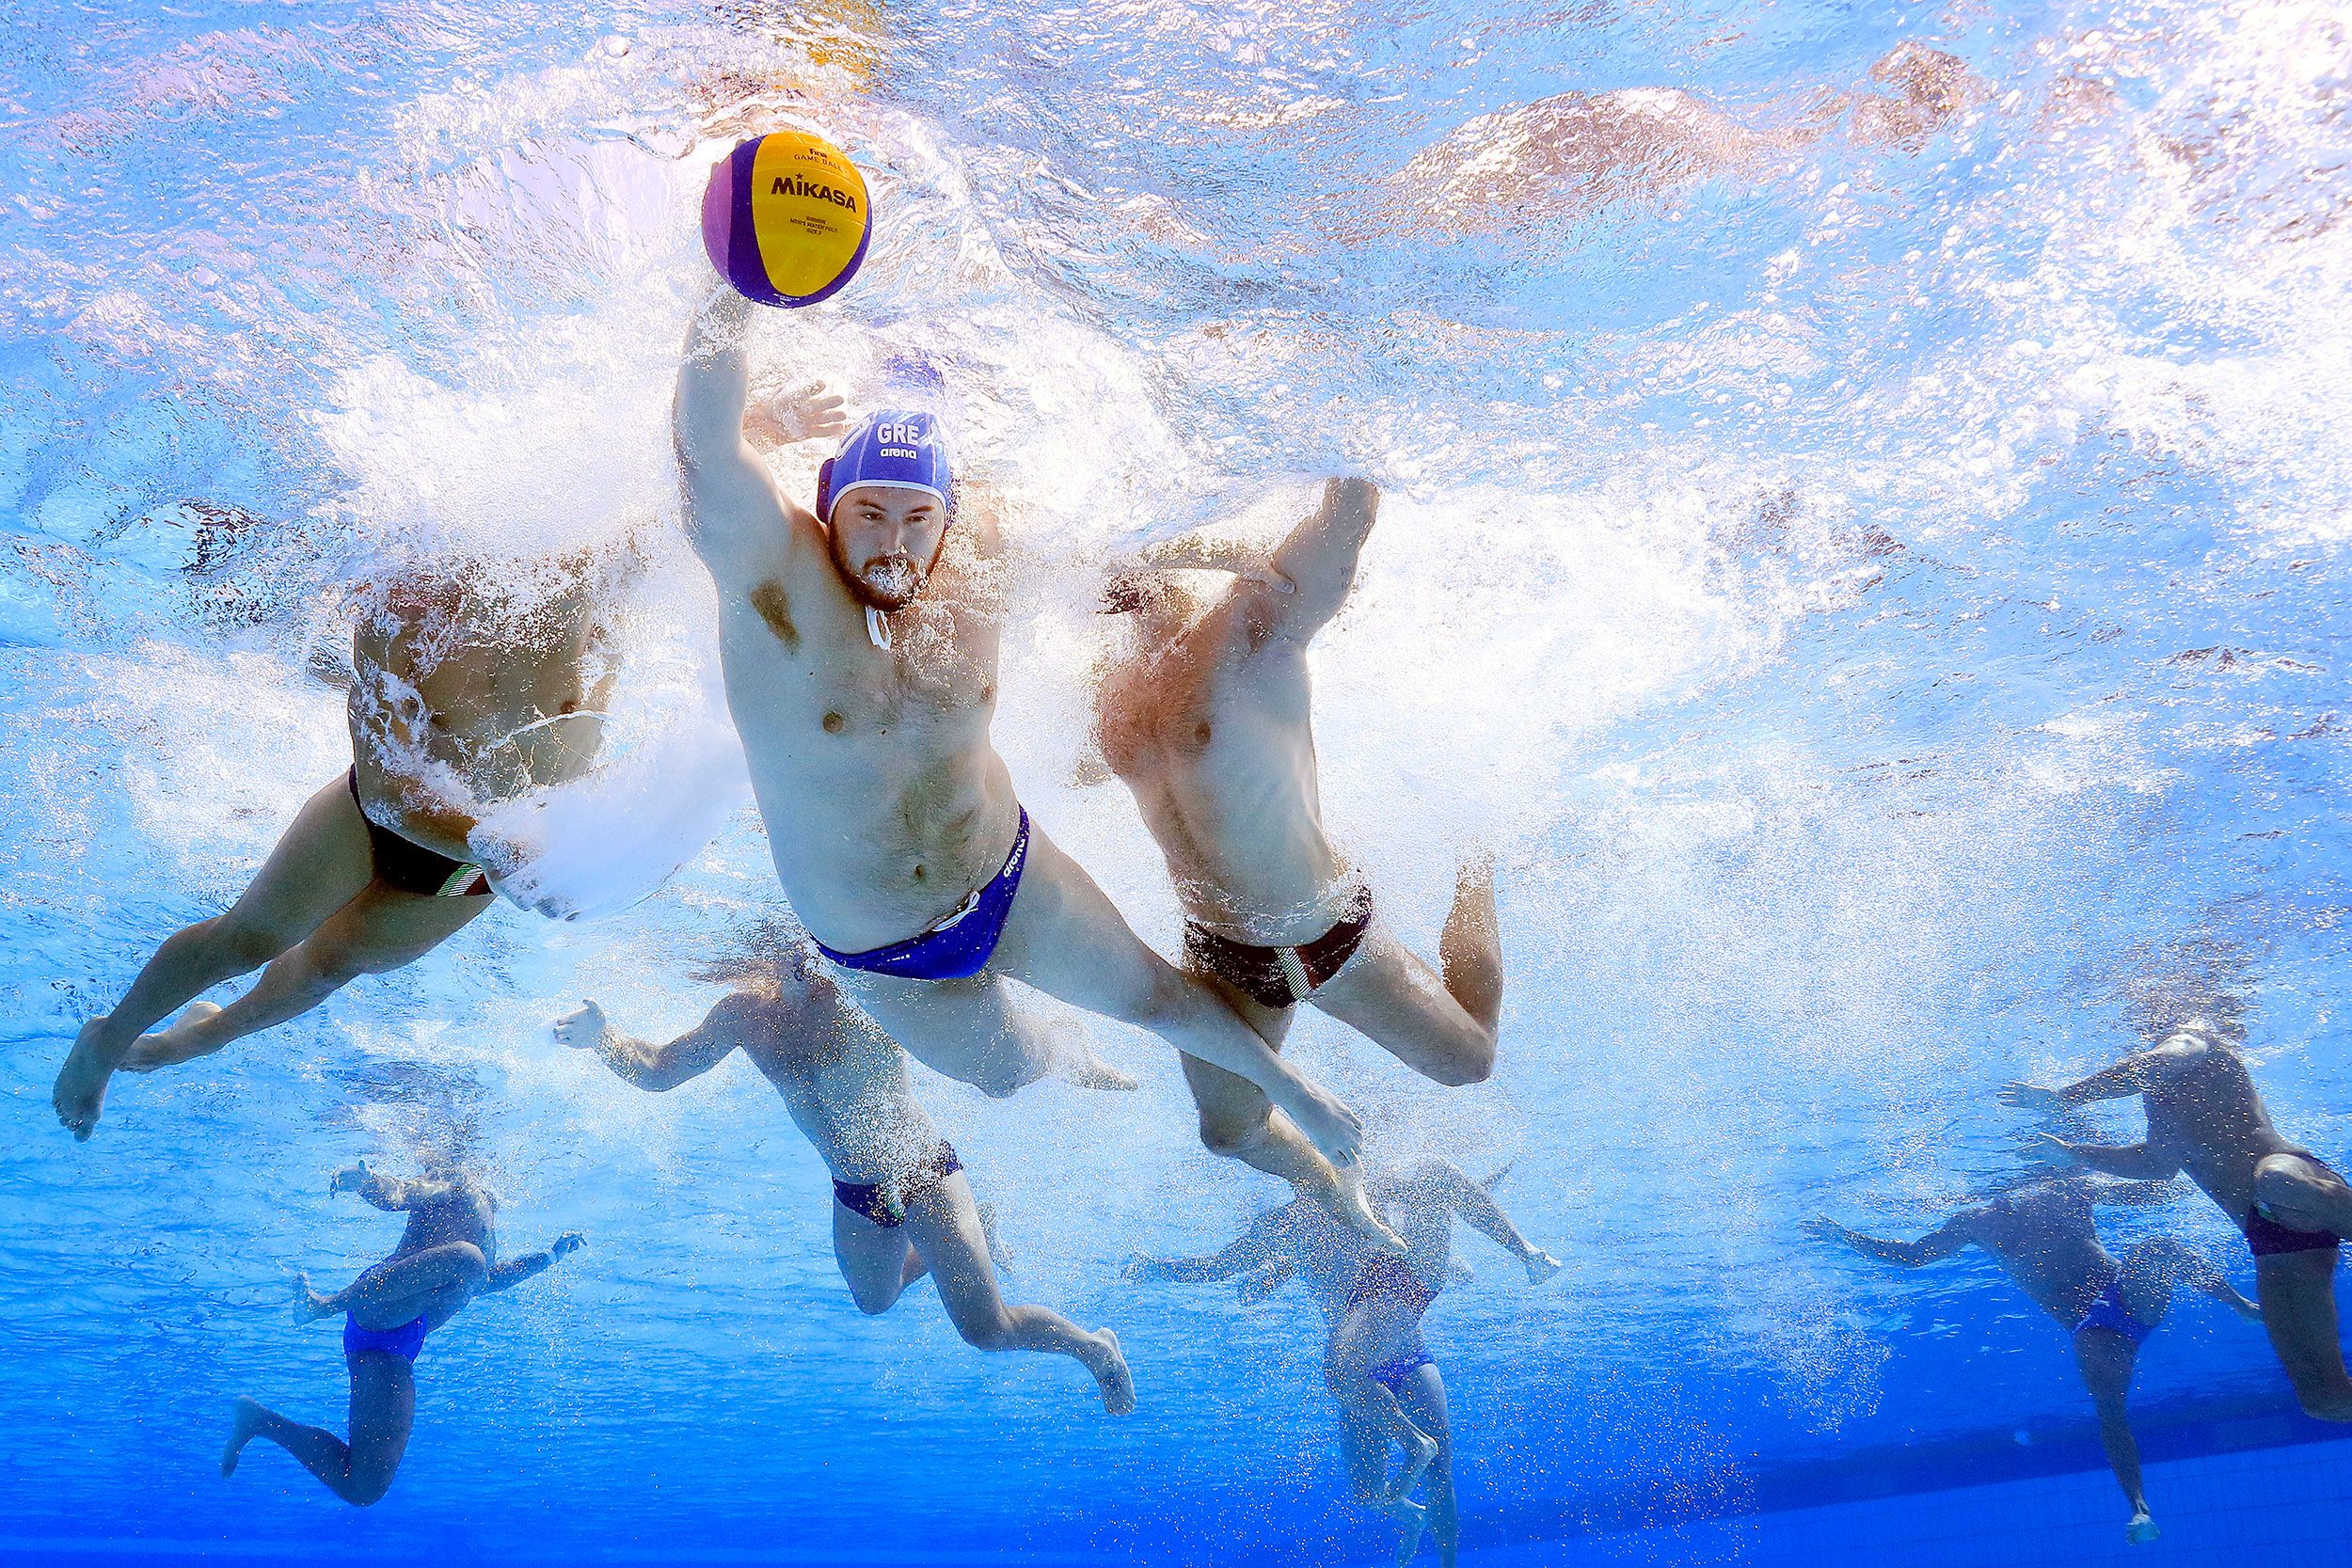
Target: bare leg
x=973, y=1031
x=1066, y=938
x=876, y=1261
x=1374, y=1332
x=944, y=1222
x=1477, y=1208
x=2298, y=1292
x=1237, y=1121
x=1443, y=1029
x=379, y=930
x=320, y=863
x=399, y=1289
x=383, y=1409
x=2153, y=1267
x=1365, y=1452
x=2105, y=1360
x=1423, y=1396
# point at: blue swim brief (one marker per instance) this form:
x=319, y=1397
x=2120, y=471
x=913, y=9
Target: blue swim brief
x=404, y=1341
x=2108, y=1312
x=1391, y=1374
x=959, y=945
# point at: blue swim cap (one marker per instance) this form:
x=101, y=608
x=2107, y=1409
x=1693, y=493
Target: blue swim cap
x=896, y=449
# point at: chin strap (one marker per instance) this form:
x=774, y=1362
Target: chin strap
x=877, y=629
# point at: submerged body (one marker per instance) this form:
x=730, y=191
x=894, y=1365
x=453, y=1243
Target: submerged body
x=2205, y=1119
x=459, y=699
x=1205, y=710
x=859, y=653
x=447, y=1256
x=1377, y=1369
x=2046, y=1240
x=902, y=1207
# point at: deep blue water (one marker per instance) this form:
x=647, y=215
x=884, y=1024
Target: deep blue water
x=1875, y=572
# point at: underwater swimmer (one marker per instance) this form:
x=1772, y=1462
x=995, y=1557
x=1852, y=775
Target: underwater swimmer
x=2044, y=1237
x=860, y=650
x=2205, y=1117
x=447, y=1256
x=1205, y=710
x=1388, y=1388
x=459, y=698
x=902, y=1207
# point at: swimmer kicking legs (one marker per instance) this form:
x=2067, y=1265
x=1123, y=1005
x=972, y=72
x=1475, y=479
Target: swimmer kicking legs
x=902, y=1206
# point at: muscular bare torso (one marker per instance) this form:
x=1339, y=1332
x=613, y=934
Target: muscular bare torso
x=1208, y=719
x=461, y=701
x=884, y=802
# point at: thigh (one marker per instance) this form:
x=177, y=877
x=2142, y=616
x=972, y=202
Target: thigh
x=872, y=1259
x=1231, y=1104
x=1422, y=1395
x=383, y=1409
x=1065, y=937
x=384, y=929
x=397, y=1290
x=319, y=865
x=968, y=1030
x=2298, y=1292
x=1376, y=1330
x=944, y=1225
x=1388, y=995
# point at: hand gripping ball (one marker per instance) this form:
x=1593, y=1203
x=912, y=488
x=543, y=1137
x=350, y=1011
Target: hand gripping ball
x=785, y=218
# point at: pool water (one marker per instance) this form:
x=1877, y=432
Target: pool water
x=1865, y=548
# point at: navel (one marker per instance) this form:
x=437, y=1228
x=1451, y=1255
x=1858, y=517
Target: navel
x=834, y=724
x=768, y=598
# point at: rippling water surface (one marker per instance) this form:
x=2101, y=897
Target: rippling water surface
x=1866, y=546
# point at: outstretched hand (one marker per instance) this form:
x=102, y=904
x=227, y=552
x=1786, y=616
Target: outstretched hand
x=810, y=414
x=2032, y=1096
x=1823, y=1228
x=583, y=1030
x=350, y=1180
x=566, y=1245
x=2041, y=1148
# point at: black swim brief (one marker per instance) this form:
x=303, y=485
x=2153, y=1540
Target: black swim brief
x=885, y=1203
x=2266, y=1237
x=410, y=866
x=1387, y=1275
x=1280, y=977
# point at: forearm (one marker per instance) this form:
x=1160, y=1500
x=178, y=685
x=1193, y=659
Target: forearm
x=2133, y=1161
x=714, y=380
x=516, y=1270
x=1908, y=1255
x=2125, y=1079
x=1205, y=551
x=1194, y=1271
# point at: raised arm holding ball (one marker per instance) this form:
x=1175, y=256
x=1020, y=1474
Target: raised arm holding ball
x=859, y=644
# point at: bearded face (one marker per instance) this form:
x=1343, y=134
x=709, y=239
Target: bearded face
x=885, y=540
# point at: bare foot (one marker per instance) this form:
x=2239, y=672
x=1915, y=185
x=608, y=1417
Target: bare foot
x=1109, y=1367
x=1410, y=1518
x=1420, y=1450
x=2141, y=1530
x=172, y=1046
x=244, y=1424
x=1328, y=1125
x=308, y=1306
x=1541, y=1265
x=81, y=1088
x=1353, y=1208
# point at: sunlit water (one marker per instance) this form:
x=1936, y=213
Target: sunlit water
x=1867, y=552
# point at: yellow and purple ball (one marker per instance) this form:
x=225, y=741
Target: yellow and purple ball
x=785, y=218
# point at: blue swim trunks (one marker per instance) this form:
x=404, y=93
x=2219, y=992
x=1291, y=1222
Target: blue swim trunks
x=959, y=945
x=2108, y=1312
x=404, y=1341
x=1391, y=1374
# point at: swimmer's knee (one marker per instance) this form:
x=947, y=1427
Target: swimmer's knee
x=470, y=1259
x=2326, y=1404
x=1230, y=1137
x=248, y=945
x=366, y=1491
x=986, y=1332
x=1474, y=1063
